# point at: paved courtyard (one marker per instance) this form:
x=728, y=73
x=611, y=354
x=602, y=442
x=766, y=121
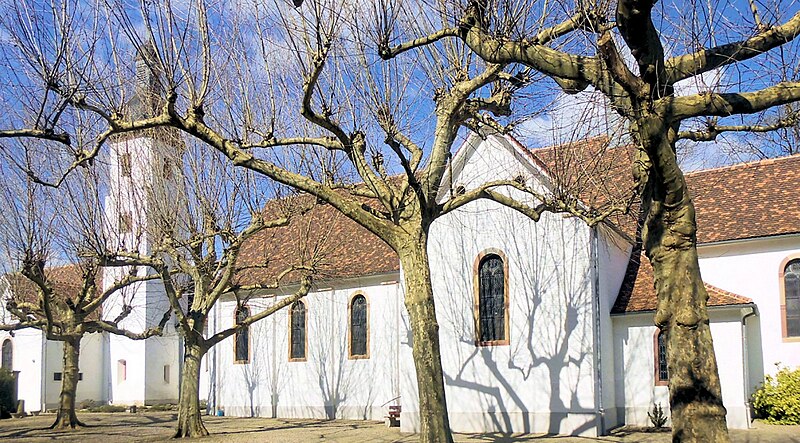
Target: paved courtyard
x=157, y=427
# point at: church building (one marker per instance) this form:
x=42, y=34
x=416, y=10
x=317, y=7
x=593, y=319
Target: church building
x=545, y=327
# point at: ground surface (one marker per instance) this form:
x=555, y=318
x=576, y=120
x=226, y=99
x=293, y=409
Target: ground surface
x=157, y=427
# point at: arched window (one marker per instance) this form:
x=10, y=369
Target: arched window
x=662, y=374
x=297, y=332
x=491, y=318
x=242, y=342
x=790, y=306
x=8, y=355
x=359, y=327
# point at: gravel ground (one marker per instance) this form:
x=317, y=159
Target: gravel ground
x=157, y=427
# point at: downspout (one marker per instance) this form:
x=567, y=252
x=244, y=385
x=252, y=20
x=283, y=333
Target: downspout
x=745, y=365
x=598, y=383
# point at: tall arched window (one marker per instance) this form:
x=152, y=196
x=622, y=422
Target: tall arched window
x=491, y=301
x=662, y=373
x=297, y=332
x=790, y=305
x=359, y=327
x=242, y=345
x=8, y=355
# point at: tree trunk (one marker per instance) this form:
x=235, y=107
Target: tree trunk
x=670, y=242
x=66, y=418
x=434, y=423
x=190, y=423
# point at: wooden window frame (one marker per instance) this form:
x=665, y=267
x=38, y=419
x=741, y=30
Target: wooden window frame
x=305, y=333
x=350, y=355
x=476, y=308
x=658, y=381
x=235, y=322
x=782, y=284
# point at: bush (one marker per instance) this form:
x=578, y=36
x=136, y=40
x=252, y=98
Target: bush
x=657, y=417
x=7, y=404
x=108, y=408
x=778, y=399
x=162, y=407
x=87, y=404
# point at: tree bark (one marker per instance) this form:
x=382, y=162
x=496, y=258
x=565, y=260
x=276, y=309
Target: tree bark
x=190, y=423
x=669, y=236
x=66, y=418
x=434, y=422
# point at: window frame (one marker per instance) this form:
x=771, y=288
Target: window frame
x=350, y=354
x=782, y=284
x=506, y=341
x=658, y=381
x=305, y=332
x=236, y=361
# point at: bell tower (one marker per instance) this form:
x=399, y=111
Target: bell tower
x=144, y=173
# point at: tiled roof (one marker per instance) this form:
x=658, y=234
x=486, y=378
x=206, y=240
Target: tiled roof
x=748, y=200
x=67, y=284
x=339, y=247
x=637, y=293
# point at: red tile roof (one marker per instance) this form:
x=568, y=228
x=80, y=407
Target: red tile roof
x=748, y=200
x=67, y=284
x=637, y=293
x=339, y=247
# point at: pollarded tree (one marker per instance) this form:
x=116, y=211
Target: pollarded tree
x=635, y=53
x=65, y=302
x=236, y=81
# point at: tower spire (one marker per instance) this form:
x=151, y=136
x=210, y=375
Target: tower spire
x=148, y=91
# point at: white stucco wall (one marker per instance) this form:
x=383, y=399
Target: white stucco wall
x=328, y=384
x=90, y=365
x=543, y=381
x=751, y=269
x=634, y=346
x=27, y=360
x=612, y=260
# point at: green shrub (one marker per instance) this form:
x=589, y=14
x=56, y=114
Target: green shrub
x=778, y=399
x=657, y=416
x=7, y=404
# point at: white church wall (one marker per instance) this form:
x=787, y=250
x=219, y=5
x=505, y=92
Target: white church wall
x=90, y=367
x=637, y=391
x=327, y=384
x=751, y=269
x=543, y=381
x=612, y=260
x=27, y=360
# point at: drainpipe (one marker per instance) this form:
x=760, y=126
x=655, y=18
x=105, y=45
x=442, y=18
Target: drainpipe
x=745, y=366
x=598, y=383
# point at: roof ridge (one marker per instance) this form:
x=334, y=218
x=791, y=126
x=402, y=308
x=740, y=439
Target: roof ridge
x=745, y=165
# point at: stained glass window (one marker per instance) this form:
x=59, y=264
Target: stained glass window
x=358, y=326
x=791, y=282
x=298, y=331
x=491, y=299
x=242, y=336
x=663, y=373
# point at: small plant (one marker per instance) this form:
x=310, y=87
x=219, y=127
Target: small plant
x=108, y=408
x=162, y=407
x=778, y=399
x=87, y=404
x=657, y=416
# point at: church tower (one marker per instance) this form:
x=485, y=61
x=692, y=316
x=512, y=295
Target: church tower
x=145, y=169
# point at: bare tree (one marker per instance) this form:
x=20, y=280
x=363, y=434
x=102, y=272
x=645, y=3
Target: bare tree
x=375, y=138
x=64, y=301
x=582, y=45
x=199, y=213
